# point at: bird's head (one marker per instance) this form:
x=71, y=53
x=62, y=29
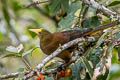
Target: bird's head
x=42, y=33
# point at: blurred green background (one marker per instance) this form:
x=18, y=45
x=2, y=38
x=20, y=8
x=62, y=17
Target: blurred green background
x=14, y=24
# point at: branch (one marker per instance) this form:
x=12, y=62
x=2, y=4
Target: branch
x=115, y=42
x=100, y=7
x=11, y=75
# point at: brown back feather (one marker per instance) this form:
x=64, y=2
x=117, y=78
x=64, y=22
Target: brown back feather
x=73, y=34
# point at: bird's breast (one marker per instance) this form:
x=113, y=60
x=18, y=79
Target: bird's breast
x=49, y=46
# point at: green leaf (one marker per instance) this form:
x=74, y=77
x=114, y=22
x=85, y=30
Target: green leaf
x=65, y=5
x=100, y=66
x=56, y=5
x=15, y=49
x=20, y=76
x=70, y=19
x=67, y=22
x=87, y=65
x=91, y=22
x=95, y=55
x=12, y=49
x=76, y=70
x=99, y=42
x=21, y=70
x=74, y=7
x=110, y=49
x=12, y=55
x=27, y=52
x=117, y=36
x=114, y=3
x=49, y=78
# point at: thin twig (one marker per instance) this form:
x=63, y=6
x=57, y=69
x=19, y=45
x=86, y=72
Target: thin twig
x=102, y=8
x=26, y=63
x=36, y=3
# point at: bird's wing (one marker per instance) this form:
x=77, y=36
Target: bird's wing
x=73, y=34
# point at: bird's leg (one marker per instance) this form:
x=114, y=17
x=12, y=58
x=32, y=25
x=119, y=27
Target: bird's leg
x=74, y=57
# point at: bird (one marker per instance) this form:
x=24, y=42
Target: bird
x=49, y=42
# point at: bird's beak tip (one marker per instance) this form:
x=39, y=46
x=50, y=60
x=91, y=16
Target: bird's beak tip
x=30, y=29
x=34, y=30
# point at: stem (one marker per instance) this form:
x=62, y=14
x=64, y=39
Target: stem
x=36, y=3
x=26, y=63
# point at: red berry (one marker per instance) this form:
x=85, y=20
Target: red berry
x=40, y=77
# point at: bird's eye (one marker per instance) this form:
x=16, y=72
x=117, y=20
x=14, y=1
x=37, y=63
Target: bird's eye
x=39, y=32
